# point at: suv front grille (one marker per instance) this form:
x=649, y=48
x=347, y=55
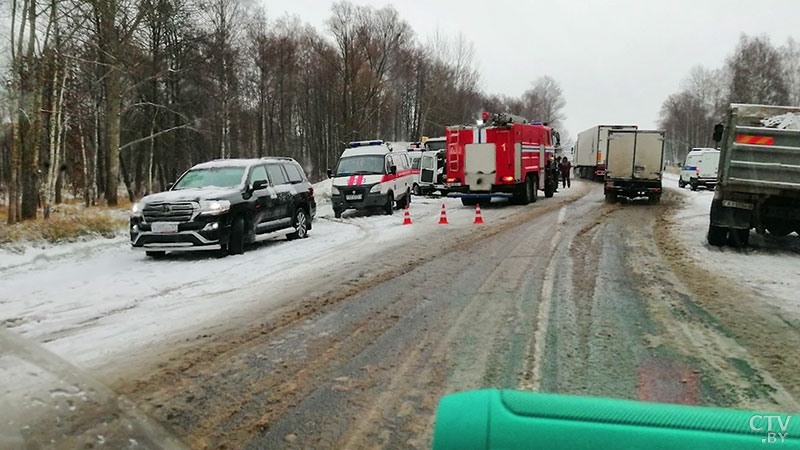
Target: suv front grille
x=168, y=212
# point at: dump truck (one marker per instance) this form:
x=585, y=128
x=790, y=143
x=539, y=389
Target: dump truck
x=759, y=175
x=633, y=165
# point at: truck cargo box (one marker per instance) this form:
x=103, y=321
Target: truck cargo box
x=633, y=164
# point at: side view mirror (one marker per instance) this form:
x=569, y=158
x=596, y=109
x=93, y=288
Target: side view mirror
x=718, y=129
x=169, y=186
x=330, y=173
x=260, y=184
x=393, y=170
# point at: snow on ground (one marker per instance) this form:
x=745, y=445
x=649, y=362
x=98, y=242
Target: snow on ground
x=93, y=301
x=769, y=264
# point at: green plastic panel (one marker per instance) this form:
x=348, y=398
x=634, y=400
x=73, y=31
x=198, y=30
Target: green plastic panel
x=492, y=419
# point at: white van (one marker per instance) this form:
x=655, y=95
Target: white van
x=370, y=175
x=428, y=168
x=700, y=168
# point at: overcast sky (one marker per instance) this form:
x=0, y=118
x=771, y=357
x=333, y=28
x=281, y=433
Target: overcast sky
x=616, y=60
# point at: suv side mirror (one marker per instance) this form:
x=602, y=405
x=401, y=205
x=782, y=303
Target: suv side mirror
x=260, y=184
x=330, y=173
x=393, y=170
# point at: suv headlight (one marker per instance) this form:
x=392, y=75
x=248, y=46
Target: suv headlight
x=375, y=189
x=214, y=207
x=334, y=190
x=136, y=210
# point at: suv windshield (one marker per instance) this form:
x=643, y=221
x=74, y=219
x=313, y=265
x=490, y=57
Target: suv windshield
x=217, y=177
x=360, y=165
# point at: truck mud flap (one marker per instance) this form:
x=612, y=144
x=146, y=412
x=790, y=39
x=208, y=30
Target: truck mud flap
x=728, y=217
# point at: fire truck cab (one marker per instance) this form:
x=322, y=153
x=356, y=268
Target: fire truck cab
x=506, y=157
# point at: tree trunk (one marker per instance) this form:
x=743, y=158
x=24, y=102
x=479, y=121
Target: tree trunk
x=112, y=118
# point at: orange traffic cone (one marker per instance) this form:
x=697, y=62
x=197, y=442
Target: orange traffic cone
x=478, y=218
x=443, y=217
x=407, y=217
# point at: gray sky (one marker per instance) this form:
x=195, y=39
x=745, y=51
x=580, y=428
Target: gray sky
x=616, y=60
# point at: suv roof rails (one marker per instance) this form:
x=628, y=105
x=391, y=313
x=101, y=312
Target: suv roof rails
x=280, y=158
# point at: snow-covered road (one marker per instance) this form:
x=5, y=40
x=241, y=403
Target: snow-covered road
x=93, y=301
x=768, y=264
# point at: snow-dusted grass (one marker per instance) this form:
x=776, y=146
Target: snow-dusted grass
x=68, y=222
x=769, y=264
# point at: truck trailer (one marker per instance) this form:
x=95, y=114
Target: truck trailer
x=633, y=164
x=590, y=147
x=759, y=175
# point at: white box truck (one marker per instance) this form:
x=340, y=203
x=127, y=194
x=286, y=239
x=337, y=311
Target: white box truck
x=634, y=164
x=590, y=147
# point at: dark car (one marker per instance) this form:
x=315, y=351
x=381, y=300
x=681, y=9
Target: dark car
x=225, y=205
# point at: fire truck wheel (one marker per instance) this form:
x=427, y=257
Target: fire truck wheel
x=533, y=187
x=524, y=193
x=549, y=188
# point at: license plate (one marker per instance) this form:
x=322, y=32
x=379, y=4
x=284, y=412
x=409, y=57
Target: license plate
x=164, y=227
x=353, y=196
x=739, y=205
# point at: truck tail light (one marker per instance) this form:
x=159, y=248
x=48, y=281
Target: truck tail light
x=508, y=179
x=451, y=180
x=697, y=169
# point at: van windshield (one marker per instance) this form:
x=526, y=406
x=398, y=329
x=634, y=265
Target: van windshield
x=435, y=145
x=360, y=165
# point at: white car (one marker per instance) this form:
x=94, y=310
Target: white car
x=370, y=175
x=700, y=169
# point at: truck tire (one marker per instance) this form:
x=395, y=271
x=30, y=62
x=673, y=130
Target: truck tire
x=155, y=255
x=780, y=229
x=693, y=184
x=534, y=179
x=738, y=238
x=469, y=201
x=236, y=240
x=717, y=236
x=611, y=197
x=417, y=190
x=681, y=183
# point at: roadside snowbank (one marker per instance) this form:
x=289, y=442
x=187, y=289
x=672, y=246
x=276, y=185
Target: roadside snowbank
x=94, y=301
x=769, y=264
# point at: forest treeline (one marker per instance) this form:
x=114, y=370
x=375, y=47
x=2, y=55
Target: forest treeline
x=110, y=96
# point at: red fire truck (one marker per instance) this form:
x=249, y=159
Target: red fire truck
x=507, y=156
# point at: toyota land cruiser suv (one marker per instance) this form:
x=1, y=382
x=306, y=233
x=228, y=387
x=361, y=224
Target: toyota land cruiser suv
x=225, y=205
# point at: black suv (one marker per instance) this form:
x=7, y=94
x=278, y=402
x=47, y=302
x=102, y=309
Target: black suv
x=224, y=205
